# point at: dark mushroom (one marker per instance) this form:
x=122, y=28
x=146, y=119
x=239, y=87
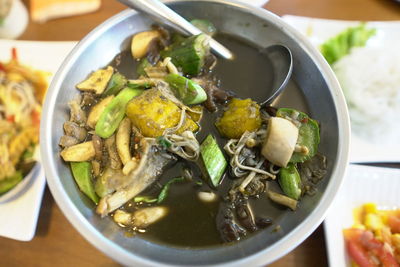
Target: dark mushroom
x=255, y=187
x=229, y=230
x=263, y=222
x=77, y=114
x=214, y=93
x=245, y=215
x=98, y=147
x=311, y=172
x=67, y=141
x=88, y=100
x=153, y=51
x=96, y=167
x=115, y=161
x=165, y=39
x=74, y=130
x=271, y=110
x=210, y=62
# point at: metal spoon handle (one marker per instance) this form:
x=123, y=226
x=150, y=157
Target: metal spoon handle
x=164, y=14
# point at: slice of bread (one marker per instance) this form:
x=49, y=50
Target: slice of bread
x=44, y=10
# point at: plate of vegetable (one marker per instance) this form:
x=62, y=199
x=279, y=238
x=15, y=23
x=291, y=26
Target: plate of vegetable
x=364, y=57
x=21, y=93
x=362, y=225
x=24, y=79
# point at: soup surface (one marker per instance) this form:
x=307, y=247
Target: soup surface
x=201, y=213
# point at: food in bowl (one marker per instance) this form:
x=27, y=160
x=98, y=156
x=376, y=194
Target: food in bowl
x=134, y=148
x=374, y=239
x=22, y=90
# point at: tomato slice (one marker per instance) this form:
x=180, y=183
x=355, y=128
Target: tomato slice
x=14, y=54
x=356, y=250
x=394, y=223
x=359, y=255
x=362, y=244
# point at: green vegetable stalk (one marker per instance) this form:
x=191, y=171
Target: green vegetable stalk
x=116, y=83
x=340, y=45
x=186, y=90
x=143, y=64
x=290, y=182
x=114, y=112
x=82, y=172
x=308, y=134
x=213, y=159
x=163, y=194
x=146, y=199
x=189, y=55
x=164, y=191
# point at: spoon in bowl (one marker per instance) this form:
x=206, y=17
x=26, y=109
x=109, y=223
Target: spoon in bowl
x=282, y=65
x=279, y=55
x=165, y=15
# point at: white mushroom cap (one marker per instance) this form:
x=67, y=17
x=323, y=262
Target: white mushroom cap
x=280, y=141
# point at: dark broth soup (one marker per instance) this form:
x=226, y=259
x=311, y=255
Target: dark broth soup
x=190, y=221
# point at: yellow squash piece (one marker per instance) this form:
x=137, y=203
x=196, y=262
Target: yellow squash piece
x=80, y=152
x=240, y=116
x=97, y=81
x=141, y=41
x=152, y=114
x=197, y=115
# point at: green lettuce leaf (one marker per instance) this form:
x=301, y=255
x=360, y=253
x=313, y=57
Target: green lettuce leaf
x=338, y=46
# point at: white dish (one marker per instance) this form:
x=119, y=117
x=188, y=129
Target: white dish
x=19, y=208
x=255, y=2
x=21, y=186
x=362, y=184
x=320, y=30
x=19, y=214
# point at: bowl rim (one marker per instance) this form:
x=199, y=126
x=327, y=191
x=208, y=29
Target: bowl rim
x=264, y=256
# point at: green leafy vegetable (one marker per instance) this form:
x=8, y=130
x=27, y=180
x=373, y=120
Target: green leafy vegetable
x=340, y=45
x=163, y=142
x=28, y=153
x=163, y=193
x=146, y=199
x=9, y=182
x=213, y=159
x=82, y=172
x=186, y=90
x=114, y=112
x=290, y=182
x=308, y=133
x=189, y=55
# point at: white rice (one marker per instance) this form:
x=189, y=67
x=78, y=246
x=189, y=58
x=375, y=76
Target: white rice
x=370, y=79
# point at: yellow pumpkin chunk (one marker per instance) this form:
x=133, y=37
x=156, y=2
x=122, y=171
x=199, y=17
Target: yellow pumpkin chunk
x=241, y=115
x=152, y=113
